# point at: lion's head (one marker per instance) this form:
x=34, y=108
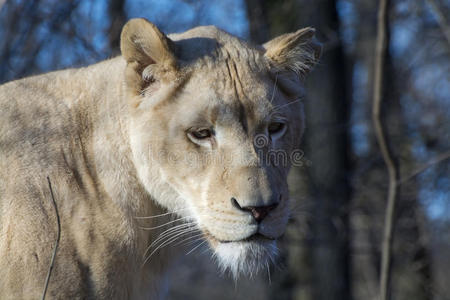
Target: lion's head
x=215, y=123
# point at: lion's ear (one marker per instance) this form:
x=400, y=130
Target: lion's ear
x=148, y=53
x=298, y=51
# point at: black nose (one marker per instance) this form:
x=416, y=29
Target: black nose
x=258, y=212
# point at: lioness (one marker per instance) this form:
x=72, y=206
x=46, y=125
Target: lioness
x=145, y=151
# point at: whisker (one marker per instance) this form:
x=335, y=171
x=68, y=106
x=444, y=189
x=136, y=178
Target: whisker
x=268, y=271
x=175, y=230
x=274, y=88
x=287, y=104
x=305, y=207
x=166, y=243
x=172, y=230
x=167, y=237
x=187, y=224
x=301, y=209
x=206, y=250
x=170, y=237
x=186, y=241
x=165, y=224
x=161, y=215
x=184, y=230
x=305, y=204
x=196, y=247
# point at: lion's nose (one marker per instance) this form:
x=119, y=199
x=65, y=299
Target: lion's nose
x=258, y=212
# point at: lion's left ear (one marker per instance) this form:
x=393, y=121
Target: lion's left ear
x=298, y=51
x=149, y=54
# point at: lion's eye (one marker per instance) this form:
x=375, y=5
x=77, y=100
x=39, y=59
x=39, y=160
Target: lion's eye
x=201, y=134
x=275, y=127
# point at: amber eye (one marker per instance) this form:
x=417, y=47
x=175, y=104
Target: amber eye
x=275, y=127
x=201, y=134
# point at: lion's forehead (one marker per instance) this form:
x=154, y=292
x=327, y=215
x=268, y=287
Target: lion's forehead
x=242, y=100
x=233, y=88
x=215, y=44
x=228, y=105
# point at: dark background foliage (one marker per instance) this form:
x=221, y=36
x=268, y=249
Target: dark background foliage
x=332, y=246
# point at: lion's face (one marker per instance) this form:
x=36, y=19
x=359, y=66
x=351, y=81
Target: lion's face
x=217, y=122
x=226, y=152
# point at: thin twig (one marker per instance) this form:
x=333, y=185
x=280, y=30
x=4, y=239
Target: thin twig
x=381, y=46
x=440, y=17
x=440, y=158
x=47, y=280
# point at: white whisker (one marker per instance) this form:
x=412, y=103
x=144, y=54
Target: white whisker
x=287, y=104
x=196, y=247
x=186, y=241
x=171, y=232
x=165, y=224
x=161, y=215
x=274, y=88
x=187, y=230
x=268, y=272
x=166, y=243
x=168, y=237
x=172, y=229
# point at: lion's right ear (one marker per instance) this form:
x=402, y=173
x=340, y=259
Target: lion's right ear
x=297, y=51
x=148, y=52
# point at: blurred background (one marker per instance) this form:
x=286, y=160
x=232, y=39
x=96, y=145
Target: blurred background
x=332, y=248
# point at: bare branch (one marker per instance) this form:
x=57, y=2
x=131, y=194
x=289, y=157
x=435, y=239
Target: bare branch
x=47, y=280
x=440, y=17
x=380, y=53
x=440, y=158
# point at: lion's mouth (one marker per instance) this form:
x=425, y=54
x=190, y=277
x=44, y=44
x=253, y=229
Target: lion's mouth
x=256, y=237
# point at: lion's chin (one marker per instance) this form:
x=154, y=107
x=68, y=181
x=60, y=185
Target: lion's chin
x=245, y=257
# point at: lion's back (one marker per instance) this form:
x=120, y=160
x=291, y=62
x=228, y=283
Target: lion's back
x=34, y=129
x=31, y=131
x=46, y=130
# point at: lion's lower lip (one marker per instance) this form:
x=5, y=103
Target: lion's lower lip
x=253, y=237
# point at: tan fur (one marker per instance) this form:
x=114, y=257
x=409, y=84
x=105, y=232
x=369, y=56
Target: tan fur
x=112, y=137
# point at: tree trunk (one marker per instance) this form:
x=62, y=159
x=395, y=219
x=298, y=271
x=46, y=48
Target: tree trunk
x=117, y=17
x=257, y=17
x=328, y=110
